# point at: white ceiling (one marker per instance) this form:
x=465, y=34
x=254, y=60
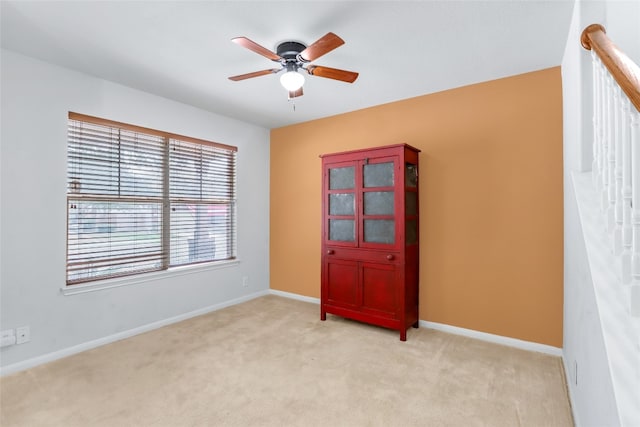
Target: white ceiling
x=182, y=50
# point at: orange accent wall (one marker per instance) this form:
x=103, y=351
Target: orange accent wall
x=490, y=201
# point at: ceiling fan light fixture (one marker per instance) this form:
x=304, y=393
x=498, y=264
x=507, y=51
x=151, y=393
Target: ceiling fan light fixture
x=292, y=80
x=294, y=56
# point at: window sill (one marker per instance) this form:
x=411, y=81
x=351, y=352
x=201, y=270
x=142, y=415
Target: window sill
x=146, y=277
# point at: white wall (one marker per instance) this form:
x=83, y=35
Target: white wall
x=593, y=398
x=589, y=379
x=623, y=26
x=36, y=98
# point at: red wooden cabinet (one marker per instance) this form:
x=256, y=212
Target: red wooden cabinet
x=370, y=245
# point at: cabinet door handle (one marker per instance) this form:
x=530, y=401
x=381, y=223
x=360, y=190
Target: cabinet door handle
x=390, y=257
x=330, y=252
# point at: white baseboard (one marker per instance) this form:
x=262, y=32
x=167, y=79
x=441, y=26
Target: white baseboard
x=294, y=296
x=50, y=357
x=497, y=339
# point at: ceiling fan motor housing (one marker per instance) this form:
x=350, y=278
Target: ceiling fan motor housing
x=290, y=51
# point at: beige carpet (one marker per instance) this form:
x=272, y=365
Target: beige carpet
x=272, y=362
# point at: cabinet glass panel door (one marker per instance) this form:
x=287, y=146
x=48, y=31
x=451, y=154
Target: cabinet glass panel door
x=411, y=231
x=378, y=202
x=378, y=175
x=342, y=178
x=411, y=175
x=380, y=231
x=342, y=204
x=342, y=230
x=411, y=203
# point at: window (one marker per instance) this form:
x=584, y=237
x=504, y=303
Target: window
x=141, y=200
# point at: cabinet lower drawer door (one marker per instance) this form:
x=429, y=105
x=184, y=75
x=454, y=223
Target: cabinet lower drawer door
x=342, y=282
x=379, y=286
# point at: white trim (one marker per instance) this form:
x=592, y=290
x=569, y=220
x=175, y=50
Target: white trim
x=567, y=378
x=496, y=339
x=145, y=277
x=294, y=296
x=50, y=357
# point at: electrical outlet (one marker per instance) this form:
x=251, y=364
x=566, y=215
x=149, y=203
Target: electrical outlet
x=245, y=281
x=23, y=335
x=8, y=338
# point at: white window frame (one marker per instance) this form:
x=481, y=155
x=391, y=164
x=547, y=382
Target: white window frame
x=166, y=267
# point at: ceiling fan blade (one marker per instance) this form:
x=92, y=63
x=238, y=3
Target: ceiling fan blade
x=332, y=73
x=255, y=47
x=254, y=74
x=295, y=93
x=322, y=46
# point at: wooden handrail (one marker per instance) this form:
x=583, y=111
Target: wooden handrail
x=621, y=67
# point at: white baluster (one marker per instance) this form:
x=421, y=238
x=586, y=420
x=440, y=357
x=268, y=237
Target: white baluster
x=606, y=147
x=617, y=143
x=627, y=230
x=595, y=172
x=601, y=128
x=611, y=157
x=635, y=172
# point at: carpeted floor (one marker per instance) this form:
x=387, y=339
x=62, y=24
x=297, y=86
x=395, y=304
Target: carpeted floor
x=272, y=362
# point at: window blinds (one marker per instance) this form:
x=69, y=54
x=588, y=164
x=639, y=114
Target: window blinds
x=202, y=196
x=144, y=201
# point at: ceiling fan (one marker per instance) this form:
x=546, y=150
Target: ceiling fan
x=293, y=56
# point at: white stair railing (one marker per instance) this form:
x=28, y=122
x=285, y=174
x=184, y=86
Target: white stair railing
x=616, y=152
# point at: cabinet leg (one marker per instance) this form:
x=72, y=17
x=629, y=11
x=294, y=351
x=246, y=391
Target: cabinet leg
x=417, y=324
x=323, y=315
x=403, y=335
